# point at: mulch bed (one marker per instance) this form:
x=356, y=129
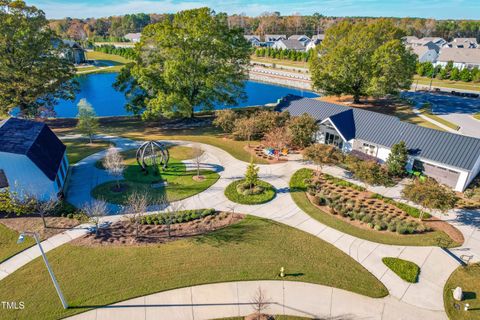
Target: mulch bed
x=257, y=151
x=123, y=232
x=446, y=227
x=55, y=225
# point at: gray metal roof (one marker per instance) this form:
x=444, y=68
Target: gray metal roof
x=443, y=147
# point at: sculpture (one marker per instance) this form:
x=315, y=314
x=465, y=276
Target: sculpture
x=152, y=154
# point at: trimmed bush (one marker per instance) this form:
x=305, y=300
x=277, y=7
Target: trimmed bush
x=406, y=270
x=267, y=194
x=179, y=217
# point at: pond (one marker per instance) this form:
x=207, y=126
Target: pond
x=98, y=90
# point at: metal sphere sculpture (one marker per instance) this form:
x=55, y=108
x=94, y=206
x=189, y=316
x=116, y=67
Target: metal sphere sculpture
x=152, y=154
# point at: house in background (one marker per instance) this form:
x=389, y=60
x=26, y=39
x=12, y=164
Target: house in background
x=72, y=51
x=289, y=45
x=451, y=159
x=133, y=37
x=461, y=57
x=254, y=40
x=270, y=39
x=467, y=43
x=440, y=42
x=32, y=159
x=300, y=37
x=316, y=40
x=428, y=53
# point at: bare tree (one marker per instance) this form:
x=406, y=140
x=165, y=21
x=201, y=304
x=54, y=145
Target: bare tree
x=113, y=163
x=95, y=210
x=198, y=157
x=170, y=212
x=137, y=204
x=260, y=303
x=38, y=206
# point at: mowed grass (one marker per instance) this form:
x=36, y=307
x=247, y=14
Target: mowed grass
x=447, y=83
x=180, y=182
x=105, y=63
x=252, y=249
x=77, y=149
x=8, y=243
x=406, y=270
x=298, y=188
x=267, y=194
x=467, y=278
x=136, y=129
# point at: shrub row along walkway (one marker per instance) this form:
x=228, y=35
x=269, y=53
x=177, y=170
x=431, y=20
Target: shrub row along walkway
x=233, y=299
x=436, y=265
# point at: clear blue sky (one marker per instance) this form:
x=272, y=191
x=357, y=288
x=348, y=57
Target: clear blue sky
x=441, y=9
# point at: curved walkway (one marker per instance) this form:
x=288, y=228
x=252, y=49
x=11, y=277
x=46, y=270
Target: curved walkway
x=436, y=265
x=233, y=299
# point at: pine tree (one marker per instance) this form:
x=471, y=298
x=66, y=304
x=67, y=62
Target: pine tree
x=251, y=176
x=397, y=159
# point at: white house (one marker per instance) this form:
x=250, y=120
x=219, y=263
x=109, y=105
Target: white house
x=254, y=40
x=133, y=37
x=461, y=57
x=289, y=45
x=451, y=159
x=300, y=37
x=32, y=159
x=270, y=39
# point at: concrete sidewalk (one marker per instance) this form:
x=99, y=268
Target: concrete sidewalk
x=234, y=299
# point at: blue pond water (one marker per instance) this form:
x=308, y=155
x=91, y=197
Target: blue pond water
x=98, y=90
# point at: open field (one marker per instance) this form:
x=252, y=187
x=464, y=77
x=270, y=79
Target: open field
x=252, y=249
x=105, y=63
x=290, y=63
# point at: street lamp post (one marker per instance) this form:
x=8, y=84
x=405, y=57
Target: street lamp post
x=21, y=238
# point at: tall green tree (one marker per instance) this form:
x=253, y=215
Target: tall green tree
x=192, y=60
x=87, y=119
x=362, y=59
x=251, y=176
x=33, y=72
x=397, y=159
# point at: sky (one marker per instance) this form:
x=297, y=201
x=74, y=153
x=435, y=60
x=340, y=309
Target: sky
x=439, y=9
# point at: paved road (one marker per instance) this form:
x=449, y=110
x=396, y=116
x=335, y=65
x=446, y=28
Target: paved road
x=458, y=110
x=233, y=299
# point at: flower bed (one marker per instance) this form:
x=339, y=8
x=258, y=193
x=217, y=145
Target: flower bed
x=178, y=217
x=261, y=193
x=362, y=207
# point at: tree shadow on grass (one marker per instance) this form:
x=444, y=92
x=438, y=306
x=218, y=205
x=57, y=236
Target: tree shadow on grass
x=235, y=233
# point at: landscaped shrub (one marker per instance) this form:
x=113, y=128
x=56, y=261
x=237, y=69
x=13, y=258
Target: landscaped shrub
x=406, y=270
x=178, y=217
x=343, y=183
x=411, y=211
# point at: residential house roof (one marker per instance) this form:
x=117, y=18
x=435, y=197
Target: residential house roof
x=250, y=37
x=463, y=43
x=460, y=55
x=274, y=37
x=421, y=50
x=298, y=37
x=292, y=44
x=442, y=147
x=318, y=37
x=34, y=140
x=409, y=39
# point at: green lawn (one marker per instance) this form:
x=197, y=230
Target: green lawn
x=298, y=194
x=8, y=243
x=284, y=62
x=406, y=270
x=467, y=278
x=447, y=84
x=253, y=249
x=77, y=149
x=180, y=182
x=267, y=194
x=136, y=129
x=105, y=63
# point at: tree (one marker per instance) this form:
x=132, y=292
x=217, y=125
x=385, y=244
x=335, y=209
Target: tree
x=87, y=119
x=321, y=154
x=303, y=129
x=278, y=139
x=225, y=119
x=33, y=72
x=251, y=176
x=192, y=60
x=198, y=156
x=137, y=205
x=429, y=194
x=397, y=159
x=113, y=163
x=44, y=207
x=245, y=128
x=95, y=210
x=362, y=59
x=260, y=303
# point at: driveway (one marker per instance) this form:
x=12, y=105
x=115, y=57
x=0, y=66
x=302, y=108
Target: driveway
x=458, y=110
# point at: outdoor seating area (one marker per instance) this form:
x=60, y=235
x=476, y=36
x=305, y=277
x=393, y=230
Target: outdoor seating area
x=271, y=154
